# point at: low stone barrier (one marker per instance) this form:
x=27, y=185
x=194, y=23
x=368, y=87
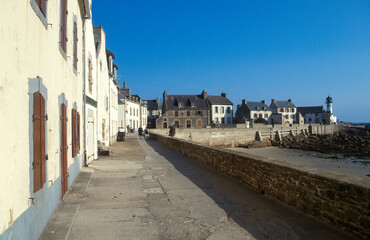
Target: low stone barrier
x=338, y=199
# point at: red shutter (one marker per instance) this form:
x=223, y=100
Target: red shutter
x=39, y=118
x=74, y=147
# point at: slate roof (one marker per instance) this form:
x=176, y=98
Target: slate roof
x=152, y=105
x=218, y=100
x=311, y=109
x=191, y=102
x=282, y=104
x=259, y=106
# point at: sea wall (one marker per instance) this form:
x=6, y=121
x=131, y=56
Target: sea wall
x=338, y=199
x=232, y=137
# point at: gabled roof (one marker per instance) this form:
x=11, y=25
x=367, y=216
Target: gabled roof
x=257, y=106
x=310, y=109
x=190, y=102
x=218, y=100
x=152, y=105
x=282, y=104
x=109, y=53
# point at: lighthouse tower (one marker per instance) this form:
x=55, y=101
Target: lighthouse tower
x=329, y=104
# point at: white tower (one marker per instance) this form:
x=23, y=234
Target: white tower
x=329, y=104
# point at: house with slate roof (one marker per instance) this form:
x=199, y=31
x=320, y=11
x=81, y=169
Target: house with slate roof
x=311, y=114
x=250, y=111
x=221, y=109
x=184, y=111
x=154, y=108
x=283, y=112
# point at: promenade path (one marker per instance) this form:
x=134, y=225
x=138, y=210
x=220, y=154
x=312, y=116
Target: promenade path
x=146, y=191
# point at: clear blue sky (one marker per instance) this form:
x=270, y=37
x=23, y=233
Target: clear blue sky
x=250, y=49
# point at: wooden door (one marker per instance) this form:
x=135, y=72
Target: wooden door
x=64, y=175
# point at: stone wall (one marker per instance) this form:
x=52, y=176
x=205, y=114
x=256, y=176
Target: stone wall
x=338, y=199
x=232, y=137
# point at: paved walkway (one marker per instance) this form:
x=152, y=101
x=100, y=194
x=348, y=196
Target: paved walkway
x=146, y=191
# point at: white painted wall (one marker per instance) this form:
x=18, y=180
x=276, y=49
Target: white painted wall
x=28, y=50
x=216, y=116
x=133, y=114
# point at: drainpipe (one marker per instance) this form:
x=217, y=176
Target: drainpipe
x=84, y=86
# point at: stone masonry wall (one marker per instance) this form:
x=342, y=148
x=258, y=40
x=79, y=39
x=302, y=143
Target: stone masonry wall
x=232, y=137
x=338, y=199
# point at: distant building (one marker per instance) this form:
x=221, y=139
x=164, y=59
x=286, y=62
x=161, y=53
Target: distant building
x=328, y=116
x=184, y=111
x=283, y=112
x=154, y=108
x=250, y=111
x=311, y=114
x=221, y=108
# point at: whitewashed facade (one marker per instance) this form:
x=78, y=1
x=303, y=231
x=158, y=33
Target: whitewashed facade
x=41, y=91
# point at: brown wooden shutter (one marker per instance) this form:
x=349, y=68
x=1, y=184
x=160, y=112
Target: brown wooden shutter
x=74, y=147
x=78, y=132
x=39, y=157
x=42, y=139
x=64, y=25
x=75, y=45
x=43, y=7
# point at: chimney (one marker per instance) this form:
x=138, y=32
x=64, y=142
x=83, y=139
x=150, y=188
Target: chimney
x=223, y=94
x=273, y=100
x=263, y=102
x=244, y=102
x=204, y=94
x=164, y=105
x=237, y=106
x=156, y=100
x=289, y=100
x=124, y=84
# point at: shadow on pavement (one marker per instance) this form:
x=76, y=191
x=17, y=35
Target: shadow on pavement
x=261, y=216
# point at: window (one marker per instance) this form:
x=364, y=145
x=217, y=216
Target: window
x=188, y=123
x=287, y=116
x=165, y=125
x=216, y=120
x=199, y=123
x=286, y=109
x=188, y=113
x=228, y=120
x=39, y=154
x=255, y=115
x=75, y=39
x=222, y=110
x=260, y=115
x=176, y=113
x=63, y=25
x=228, y=110
x=281, y=110
x=74, y=132
x=216, y=109
x=222, y=120
x=199, y=113
x=130, y=111
x=266, y=115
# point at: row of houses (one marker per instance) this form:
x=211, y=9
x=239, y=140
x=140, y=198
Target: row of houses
x=203, y=110
x=59, y=104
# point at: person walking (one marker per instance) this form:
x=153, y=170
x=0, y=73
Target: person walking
x=140, y=131
x=146, y=133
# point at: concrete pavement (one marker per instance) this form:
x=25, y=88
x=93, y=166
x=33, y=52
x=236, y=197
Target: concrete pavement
x=146, y=191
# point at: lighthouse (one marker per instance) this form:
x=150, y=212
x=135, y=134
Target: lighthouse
x=329, y=104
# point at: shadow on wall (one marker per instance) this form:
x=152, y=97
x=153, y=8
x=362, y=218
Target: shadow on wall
x=261, y=216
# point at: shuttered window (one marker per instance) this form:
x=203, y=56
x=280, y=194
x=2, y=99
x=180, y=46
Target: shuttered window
x=39, y=155
x=78, y=132
x=63, y=25
x=74, y=133
x=75, y=39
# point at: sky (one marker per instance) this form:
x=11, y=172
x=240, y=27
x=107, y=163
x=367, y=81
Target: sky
x=250, y=49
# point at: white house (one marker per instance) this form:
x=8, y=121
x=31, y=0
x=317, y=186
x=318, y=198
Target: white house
x=129, y=109
x=113, y=104
x=90, y=93
x=221, y=108
x=41, y=95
